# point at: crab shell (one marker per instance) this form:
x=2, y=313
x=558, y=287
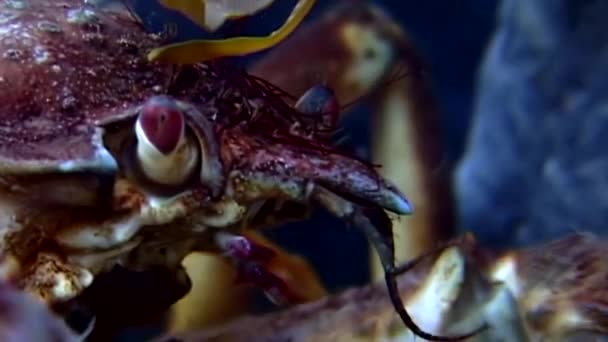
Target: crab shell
x=74, y=81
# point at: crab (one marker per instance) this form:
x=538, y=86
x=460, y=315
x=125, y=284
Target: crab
x=107, y=158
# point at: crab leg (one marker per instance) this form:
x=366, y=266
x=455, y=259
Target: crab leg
x=377, y=227
x=288, y=170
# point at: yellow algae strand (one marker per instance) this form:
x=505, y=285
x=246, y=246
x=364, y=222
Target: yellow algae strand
x=196, y=51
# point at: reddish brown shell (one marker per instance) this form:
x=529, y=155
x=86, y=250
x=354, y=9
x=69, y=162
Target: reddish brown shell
x=63, y=67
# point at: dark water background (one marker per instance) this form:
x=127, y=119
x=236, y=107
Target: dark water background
x=451, y=35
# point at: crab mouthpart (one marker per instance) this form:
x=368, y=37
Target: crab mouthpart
x=165, y=153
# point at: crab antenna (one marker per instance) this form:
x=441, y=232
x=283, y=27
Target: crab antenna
x=163, y=151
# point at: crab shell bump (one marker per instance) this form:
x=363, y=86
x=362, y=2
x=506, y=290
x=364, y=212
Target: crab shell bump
x=107, y=158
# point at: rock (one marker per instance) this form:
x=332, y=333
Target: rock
x=536, y=164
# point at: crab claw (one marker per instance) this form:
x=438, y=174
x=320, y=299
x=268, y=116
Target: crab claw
x=262, y=168
x=377, y=226
x=164, y=152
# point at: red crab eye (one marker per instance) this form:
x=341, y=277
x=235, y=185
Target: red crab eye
x=162, y=123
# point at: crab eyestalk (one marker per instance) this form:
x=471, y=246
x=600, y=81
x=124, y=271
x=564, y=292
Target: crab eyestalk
x=164, y=152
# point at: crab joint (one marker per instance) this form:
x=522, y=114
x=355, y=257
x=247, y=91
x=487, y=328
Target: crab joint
x=164, y=152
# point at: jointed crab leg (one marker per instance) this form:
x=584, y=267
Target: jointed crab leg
x=377, y=227
x=196, y=51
